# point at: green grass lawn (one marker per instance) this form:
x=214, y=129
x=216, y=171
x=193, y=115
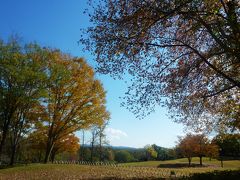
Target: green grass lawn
x=138, y=170
x=227, y=164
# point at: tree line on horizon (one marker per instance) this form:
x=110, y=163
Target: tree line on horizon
x=221, y=147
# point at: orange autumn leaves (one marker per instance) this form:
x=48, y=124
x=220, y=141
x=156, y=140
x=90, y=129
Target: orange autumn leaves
x=197, y=145
x=76, y=100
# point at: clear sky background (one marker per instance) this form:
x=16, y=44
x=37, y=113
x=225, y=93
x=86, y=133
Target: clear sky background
x=57, y=23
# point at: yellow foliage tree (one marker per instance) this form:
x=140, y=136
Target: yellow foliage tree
x=75, y=100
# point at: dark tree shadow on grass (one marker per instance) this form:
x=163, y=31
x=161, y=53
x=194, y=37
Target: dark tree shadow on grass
x=182, y=165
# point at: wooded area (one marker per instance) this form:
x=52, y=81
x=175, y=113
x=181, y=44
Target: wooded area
x=46, y=96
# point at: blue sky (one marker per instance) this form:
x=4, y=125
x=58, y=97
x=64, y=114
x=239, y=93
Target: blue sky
x=57, y=23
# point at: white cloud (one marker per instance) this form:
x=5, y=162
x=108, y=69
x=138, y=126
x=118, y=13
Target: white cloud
x=115, y=133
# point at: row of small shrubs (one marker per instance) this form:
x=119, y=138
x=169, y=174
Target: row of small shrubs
x=215, y=175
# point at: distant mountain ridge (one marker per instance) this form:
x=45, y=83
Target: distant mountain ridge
x=117, y=147
x=123, y=147
x=127, y=147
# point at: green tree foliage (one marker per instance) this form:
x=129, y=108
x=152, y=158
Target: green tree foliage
x=164, y=153
x=151, y=153
x=85, y=153
x=22, y=82
x=45, y=96
x=229, y=144
x=219, y=175
x=186, y=51
x=106, y=155
x=123, y=156
x=139, y=155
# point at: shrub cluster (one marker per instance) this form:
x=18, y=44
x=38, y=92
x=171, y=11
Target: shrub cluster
x=215, y=175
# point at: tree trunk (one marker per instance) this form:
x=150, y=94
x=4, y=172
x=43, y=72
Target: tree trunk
x=48, y=150
x=7, y=117
x=200, y=160
x=15, y=143
x=189, y=161
x=82, y=149
x=100, y=147
x=4, y=136
x=53, y=156
x=17, y=131
x=49, y=144
x=92, y=144
x=91, y=158
x=12, y=160
x=39, y=156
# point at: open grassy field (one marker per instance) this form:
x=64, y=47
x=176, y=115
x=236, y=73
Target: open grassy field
x=233, y=164
x=141, y=170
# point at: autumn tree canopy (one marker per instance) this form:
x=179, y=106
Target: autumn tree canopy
x=75, y=100
x=197, y=145
x=45, y=96
x=185, y=53
x=68, y=143
x=186, y=146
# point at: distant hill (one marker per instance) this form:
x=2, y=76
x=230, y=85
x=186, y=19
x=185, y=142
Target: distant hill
x=117, y=147
x=123, y=148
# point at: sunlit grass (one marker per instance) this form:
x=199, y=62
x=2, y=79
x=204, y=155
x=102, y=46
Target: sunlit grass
x=123, y=171
x=195, y=160
x=70, y=171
